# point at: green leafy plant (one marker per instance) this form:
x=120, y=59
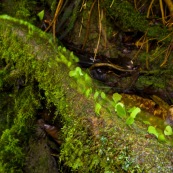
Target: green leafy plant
x=120, y=109
x=157, y=132
x=103, y=95
x=168, y=130
x=152, y=130
x=96, y=94
x=41, y=15
x=133, y=112
x=147, y=122
x=97, y=108
x=88, y=92
x=161, y=137
x=116, y=97
x=76, y=72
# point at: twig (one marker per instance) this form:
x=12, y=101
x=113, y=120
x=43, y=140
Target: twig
x=88, y=24
x=149, y=8
x=53, y=23
x=100, y=29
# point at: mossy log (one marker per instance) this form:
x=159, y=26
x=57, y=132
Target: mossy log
x=94, y=139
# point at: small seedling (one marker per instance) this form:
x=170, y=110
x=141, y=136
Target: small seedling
x=116, y=97
x=41, y=15
x=168, y=130
x=134, y=111
x=88, y=92
x=120, y=109
x=76, y=73
x=161, y=138
x=96, y=94
x=103, y=95
x=152, y=130
x=97, y=108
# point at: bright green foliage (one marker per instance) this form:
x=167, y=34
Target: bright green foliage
x=116, y=97
x=88, y=92
x=161, y=138
x=168, y=130
x=76, y=73
x=130, y=120
x=133, y=112
x=41, y=15
x=147, y=122
x=89, y=145
x=103, y=95
x=152, y=130
x=97, y=108
x=120, y=109
x=159, y=133
x=96, y=94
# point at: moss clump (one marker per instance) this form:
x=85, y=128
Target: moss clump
x=127, y=18
x=17, y=132
x=20, y=9
x=93, y=141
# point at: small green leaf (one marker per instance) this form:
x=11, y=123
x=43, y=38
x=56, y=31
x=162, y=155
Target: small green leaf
x=96, y=94
x=135, y=112
x=76, y=73
x=120, y=109
x=129, y=121
x=161, y=138
x=103, y=95
x=152, y=130
x=97, y=108
x=88, y=92
x=87, y=78
x=147, y=122
x=132, y=109
x=69, y=63
x=79, y=71
x=72, y=73
x=116, y=97
x=168, y=130
x=41, y=15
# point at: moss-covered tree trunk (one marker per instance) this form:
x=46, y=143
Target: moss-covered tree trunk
x=94, y=138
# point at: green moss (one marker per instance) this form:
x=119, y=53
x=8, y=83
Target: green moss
x=16, y=134
x=20, y=9
x=92, y=143
x=127, y=18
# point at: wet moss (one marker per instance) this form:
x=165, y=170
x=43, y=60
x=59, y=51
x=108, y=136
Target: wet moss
x=93, y=141
x=128, y=19
x=20, y=9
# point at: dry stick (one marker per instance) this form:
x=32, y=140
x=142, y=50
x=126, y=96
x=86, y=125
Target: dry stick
x=55, y=18
x=149, y=8
x=169, y=35
x=100, y=29
x=168, y=52
x=162, y=12
x=135, y=5
x=83, y=6
x=111, y=3
x=153, y=55
x=116, y=67
x=88, y=24
x=169, y=3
